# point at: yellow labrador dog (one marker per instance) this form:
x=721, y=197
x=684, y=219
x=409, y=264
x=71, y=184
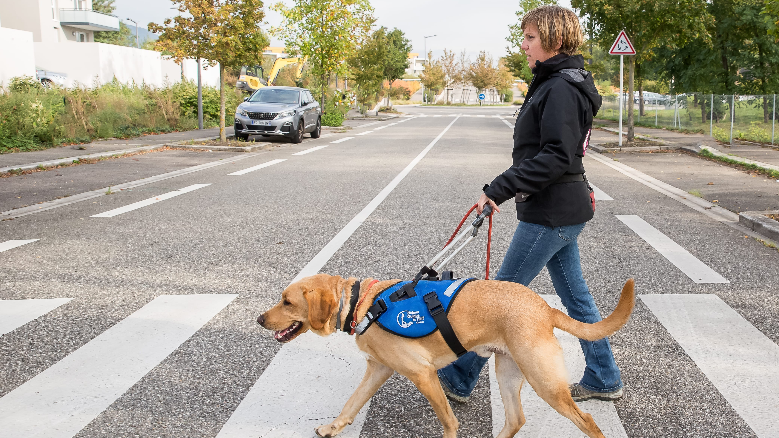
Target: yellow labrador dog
x=488, y=316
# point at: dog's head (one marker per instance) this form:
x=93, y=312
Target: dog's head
x=310, y=303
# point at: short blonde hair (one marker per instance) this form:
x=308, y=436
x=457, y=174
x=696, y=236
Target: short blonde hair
x=556, y=24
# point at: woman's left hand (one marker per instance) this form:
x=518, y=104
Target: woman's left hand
x=484, y=200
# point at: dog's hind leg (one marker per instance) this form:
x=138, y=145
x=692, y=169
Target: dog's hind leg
x=375, y=375
x=510, y=380
x=543, y=365
x=426, y=380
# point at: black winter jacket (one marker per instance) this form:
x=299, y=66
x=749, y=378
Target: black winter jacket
x=550, y=137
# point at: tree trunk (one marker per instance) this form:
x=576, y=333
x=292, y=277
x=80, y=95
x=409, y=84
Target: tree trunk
x=631, y=103
x=389, y=95
x=222, y=133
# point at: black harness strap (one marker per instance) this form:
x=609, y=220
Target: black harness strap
x=352, y=303
x=439, y=316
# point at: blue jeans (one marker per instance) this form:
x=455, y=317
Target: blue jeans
x=533, y=247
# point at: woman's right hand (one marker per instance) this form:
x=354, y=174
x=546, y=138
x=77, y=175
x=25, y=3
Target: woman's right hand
x=484, y=200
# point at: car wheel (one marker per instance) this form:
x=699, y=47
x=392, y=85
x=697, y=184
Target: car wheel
x=242, y=137
x=318, y=130
x=47, y=83
x=298, y=136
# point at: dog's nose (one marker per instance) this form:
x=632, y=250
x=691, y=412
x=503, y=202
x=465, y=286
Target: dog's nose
x=260, y=320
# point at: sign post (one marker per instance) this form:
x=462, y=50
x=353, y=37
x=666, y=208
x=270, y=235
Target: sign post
x=621, y=47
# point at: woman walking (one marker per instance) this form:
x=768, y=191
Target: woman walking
x=551, y=193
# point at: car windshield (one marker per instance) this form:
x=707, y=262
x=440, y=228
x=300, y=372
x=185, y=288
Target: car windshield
x=265, y=95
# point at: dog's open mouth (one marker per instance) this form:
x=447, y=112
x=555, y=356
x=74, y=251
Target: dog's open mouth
x=288, y=333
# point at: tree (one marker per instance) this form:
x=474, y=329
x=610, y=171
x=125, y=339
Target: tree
x=771, y=12
x=395, y=60
x=516, y=59
x=453, y=72
x=365, y=66
x=433, y=77
x=648, y=23
x=219, y=31
x=326, y=32
x=481, y=73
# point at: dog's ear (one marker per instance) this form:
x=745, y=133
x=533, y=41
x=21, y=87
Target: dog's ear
x=321, y=304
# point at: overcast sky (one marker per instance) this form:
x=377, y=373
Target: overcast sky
x=458, y=24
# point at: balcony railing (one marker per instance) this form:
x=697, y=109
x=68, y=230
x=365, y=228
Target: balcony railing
x=88, y=20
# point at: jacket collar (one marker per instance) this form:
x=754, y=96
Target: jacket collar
x=543, y=70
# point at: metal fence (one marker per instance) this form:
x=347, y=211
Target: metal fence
x=724, y=117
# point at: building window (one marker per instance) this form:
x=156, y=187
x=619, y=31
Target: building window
x=81, y=37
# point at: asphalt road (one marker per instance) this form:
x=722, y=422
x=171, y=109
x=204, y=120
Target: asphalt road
x=122, y=357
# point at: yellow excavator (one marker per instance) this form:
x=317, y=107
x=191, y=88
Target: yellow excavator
x=251, y=76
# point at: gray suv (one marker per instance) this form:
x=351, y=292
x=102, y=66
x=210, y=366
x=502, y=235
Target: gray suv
x=286, y=111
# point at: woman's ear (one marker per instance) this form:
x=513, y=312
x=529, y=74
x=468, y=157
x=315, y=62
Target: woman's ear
x=321, y=304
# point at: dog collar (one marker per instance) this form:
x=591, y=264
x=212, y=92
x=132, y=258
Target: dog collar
x=352, y=304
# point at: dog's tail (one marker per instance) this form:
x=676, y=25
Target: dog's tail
x=599, y=330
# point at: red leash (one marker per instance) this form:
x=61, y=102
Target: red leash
x=489, y=237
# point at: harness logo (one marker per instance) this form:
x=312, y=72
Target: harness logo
x=407, y=318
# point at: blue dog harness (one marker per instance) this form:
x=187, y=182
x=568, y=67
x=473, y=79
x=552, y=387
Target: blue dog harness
x=414, y=309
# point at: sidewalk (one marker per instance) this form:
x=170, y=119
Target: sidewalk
x=747, y=193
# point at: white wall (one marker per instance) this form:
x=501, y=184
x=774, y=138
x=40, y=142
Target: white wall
x=85, y=63
x=16, y=56
x=208, y=75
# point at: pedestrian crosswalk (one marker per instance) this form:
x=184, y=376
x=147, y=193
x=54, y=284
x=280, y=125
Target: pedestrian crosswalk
x=308, y=381
x=738, y=359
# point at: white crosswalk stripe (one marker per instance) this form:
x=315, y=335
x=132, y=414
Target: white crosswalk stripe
x=64, y=398
x=11, y=244
x=680, y=257
x=16, y=313
x=257, y=167
x=739, y=360
x=600, y=195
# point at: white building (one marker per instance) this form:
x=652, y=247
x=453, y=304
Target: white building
x=56, y=21
x=58, y=36
x=416, y=65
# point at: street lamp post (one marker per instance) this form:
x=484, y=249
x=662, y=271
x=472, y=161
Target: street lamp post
x=137, y=43
x=423, y=85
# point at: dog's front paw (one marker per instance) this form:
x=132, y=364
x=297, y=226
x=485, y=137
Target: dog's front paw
x=327, y=431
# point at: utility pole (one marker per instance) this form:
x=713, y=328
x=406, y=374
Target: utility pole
x=199, y=98
x=137, y=43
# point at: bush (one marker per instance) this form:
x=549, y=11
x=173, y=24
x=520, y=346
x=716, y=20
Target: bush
x=508, y=95
x=34, y=117
x=400, y=93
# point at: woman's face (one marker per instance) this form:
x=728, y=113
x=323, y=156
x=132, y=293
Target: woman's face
x=532, y=46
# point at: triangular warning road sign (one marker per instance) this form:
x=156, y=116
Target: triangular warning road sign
x=622, y=46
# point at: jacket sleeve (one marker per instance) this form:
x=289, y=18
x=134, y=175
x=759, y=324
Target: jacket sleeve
x=560, y=131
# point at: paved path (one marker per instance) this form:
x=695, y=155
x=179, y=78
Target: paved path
x=134, y=313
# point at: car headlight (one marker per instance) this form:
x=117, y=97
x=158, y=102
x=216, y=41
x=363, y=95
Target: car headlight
x=242, y=112
x=285, y=114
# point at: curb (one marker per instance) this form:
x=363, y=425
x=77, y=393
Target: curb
x=759, y=223
x=735, y=157
x=59, y=161
x=645, y=137
x=601, y=149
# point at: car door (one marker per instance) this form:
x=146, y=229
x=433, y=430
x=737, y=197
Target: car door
x=306, y=96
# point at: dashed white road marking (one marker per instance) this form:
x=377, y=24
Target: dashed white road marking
x=257, y=167
x=739, y=360
x=698, y=271
x=64, y=398
x=284, y=404
x=363, y=133
x=150, y=201
x=11, y=244
x=508, y=124
x=16, y=313
x=369, y=124
x=380, y=128
x=341, y=140
x=544, y=421
x=600, y=195
x=308, y=151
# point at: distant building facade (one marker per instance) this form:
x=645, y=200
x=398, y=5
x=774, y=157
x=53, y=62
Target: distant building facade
x=56, y=21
